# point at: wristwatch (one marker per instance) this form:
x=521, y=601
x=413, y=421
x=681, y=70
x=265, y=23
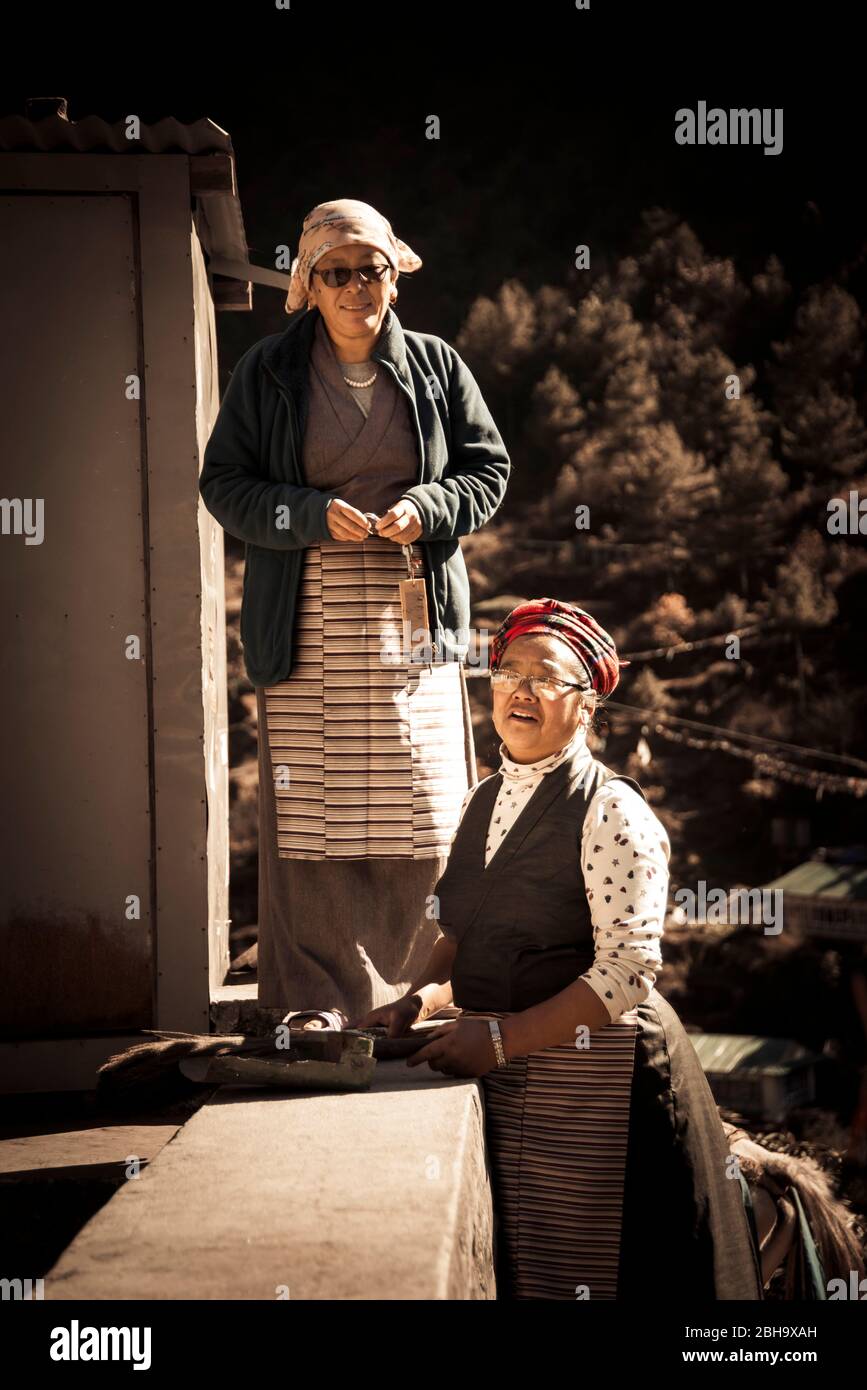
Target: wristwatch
x=497, y=1036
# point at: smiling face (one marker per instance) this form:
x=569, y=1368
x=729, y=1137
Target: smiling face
x=353, y=313
x=533, y=727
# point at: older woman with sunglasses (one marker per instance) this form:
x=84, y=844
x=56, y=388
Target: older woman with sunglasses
x=609, y=1164
x=351, y=454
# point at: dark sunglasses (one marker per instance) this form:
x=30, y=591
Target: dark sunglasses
x=340, y=275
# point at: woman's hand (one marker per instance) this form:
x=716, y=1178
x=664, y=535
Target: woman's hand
x=345, y=522
x=398, y=1017
x=462, y=1048
x=401, y=523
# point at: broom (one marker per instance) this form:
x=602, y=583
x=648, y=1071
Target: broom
x=148, y=1073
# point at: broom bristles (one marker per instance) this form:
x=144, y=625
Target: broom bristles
x=150, y=1068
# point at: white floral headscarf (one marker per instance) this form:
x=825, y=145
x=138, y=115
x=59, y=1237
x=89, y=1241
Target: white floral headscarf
x=333, y=224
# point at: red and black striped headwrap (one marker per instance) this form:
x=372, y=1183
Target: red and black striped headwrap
x=591, y=643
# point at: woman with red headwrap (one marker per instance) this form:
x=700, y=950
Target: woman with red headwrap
x=608, y=1158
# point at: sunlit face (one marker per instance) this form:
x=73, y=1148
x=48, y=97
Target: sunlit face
x=531, y=726
x=354, y=311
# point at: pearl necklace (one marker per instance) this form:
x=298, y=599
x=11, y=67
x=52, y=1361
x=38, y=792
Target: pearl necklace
x=359, y=385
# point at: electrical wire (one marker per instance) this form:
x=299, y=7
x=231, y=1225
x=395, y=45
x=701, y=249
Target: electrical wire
x=733, y=733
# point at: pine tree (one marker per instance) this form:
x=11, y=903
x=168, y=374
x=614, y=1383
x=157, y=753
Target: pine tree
x=825, y=437
x=800, y=595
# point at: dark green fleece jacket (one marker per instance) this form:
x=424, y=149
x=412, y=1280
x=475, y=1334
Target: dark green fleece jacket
x=252, y=480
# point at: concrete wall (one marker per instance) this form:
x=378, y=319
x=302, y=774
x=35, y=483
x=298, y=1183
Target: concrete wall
x=382, y=1194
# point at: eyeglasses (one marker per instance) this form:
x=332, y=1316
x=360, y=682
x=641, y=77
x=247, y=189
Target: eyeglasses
x=338, y=276
x=546, y=686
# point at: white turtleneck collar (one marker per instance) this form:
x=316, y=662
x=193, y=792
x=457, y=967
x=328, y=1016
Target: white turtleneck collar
x=527, y=772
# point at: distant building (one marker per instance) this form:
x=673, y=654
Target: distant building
x=761, y=1077
x=827, y=895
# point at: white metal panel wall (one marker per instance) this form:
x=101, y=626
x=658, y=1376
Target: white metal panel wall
x=213, y=613
x=75, y=760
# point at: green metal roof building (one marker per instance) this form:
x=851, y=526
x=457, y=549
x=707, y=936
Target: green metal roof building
x=826, y=896
x=764, y=1077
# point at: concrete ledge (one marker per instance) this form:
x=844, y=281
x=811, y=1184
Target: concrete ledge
x=381, y=1194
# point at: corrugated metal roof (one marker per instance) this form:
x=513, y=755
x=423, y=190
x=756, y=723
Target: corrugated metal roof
x=820, y=879
x=45, y=129
x=92, y=134
x=745, y=1053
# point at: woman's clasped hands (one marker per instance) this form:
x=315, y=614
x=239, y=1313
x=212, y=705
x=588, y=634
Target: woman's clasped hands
x=401, y=523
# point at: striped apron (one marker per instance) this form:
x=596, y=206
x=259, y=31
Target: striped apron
x=369, y=752
x=557, y=1128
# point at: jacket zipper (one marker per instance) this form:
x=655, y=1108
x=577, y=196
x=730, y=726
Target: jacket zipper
x=421, y=451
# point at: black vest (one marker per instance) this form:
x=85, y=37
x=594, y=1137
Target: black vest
x=523, y=923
